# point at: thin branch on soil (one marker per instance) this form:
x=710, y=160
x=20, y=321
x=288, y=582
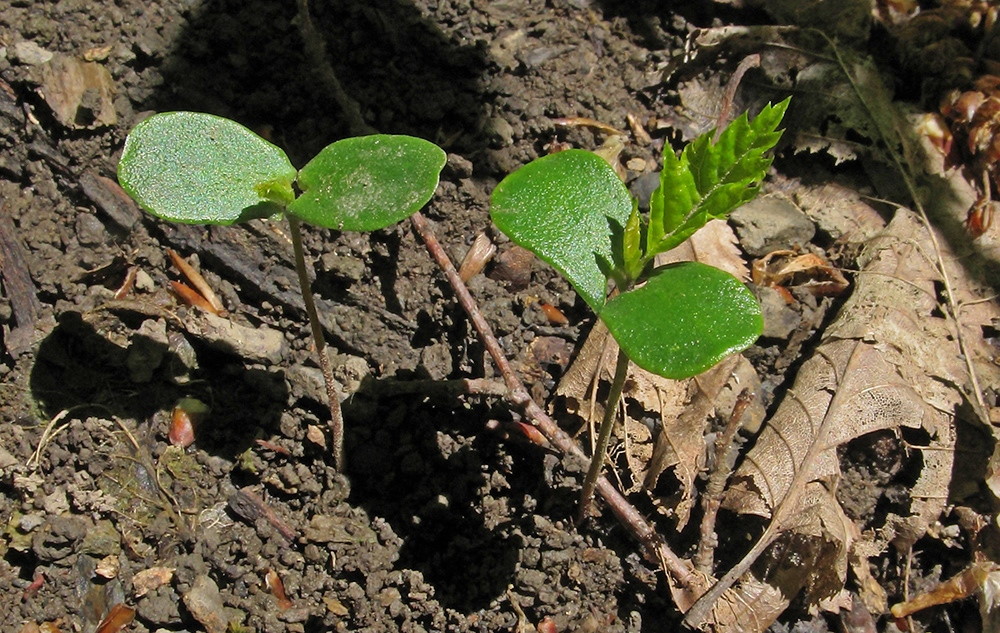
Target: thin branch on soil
x=250, y=507
x=517, y=394
x=725, y=457
x=332, y=397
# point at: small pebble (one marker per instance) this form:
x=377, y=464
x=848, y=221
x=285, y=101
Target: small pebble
x=30, y=54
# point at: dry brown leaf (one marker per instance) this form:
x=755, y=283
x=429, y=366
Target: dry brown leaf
x=790, y=269
x=149, y=579
x=118, y=617
x=715, y=244
x=846, y=390
x=793, y=563
x=886, y=361
x=598, y=352
x=680, y=445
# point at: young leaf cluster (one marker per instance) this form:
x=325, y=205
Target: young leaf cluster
x=707, y=181
x=572, y=210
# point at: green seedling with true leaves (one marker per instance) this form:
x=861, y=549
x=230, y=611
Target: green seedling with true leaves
x=573, y=211
x=199, y=168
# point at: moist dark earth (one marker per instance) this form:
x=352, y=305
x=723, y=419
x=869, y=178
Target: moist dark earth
x=439, y=523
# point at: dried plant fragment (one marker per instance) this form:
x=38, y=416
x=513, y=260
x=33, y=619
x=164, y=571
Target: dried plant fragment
x=640, y=134
x=191, y=297
x=250, y=507
x=117, y=618
x=108, y=567
x=981, y=576
x=553, y=314
x=883, y=363
x=980, y=217
x=33, y=587
x=149, y=579
x=196, y=280
x=125, y=289
x=479, y=254
x=788, y=269
x=277, y=589
x=580, y=121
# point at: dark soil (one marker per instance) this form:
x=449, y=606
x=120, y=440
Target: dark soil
x=437, y=524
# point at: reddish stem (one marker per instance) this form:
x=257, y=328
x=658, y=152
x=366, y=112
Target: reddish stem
x=517, y=394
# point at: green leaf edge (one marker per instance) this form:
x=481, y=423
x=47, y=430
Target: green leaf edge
x=262, y=198
x=425, y=182
x=642, y=339
x=588, y=168
x=697, y=192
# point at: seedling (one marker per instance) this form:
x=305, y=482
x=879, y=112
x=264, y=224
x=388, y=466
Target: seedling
x=202, y=169
x=574, y=212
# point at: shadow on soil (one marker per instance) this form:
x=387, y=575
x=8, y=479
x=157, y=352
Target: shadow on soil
x=410, y=464
x=246, y=60
x=76, y=367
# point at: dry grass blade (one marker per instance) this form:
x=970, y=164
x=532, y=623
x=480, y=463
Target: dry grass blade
x=196, y=280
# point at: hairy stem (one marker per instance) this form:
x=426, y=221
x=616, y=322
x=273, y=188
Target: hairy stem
x=333, y=399
x=603, y=437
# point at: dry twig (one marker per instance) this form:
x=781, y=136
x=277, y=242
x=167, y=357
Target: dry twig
x=517, y=394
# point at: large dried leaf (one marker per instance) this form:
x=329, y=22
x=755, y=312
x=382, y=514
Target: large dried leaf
x=894, y=357
x=714, y=244
x=888, y=360
x=809, y=556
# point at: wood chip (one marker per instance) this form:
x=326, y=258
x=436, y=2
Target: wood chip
x=80, y=93
x=478, y=255
x=111, y=199
x=249, y=507
x=18, y=286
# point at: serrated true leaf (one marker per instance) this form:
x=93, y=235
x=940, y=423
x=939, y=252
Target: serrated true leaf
x=199, y=168
x=368, y=182
x=686, y=318
x=567, y=208
x=709, y=179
